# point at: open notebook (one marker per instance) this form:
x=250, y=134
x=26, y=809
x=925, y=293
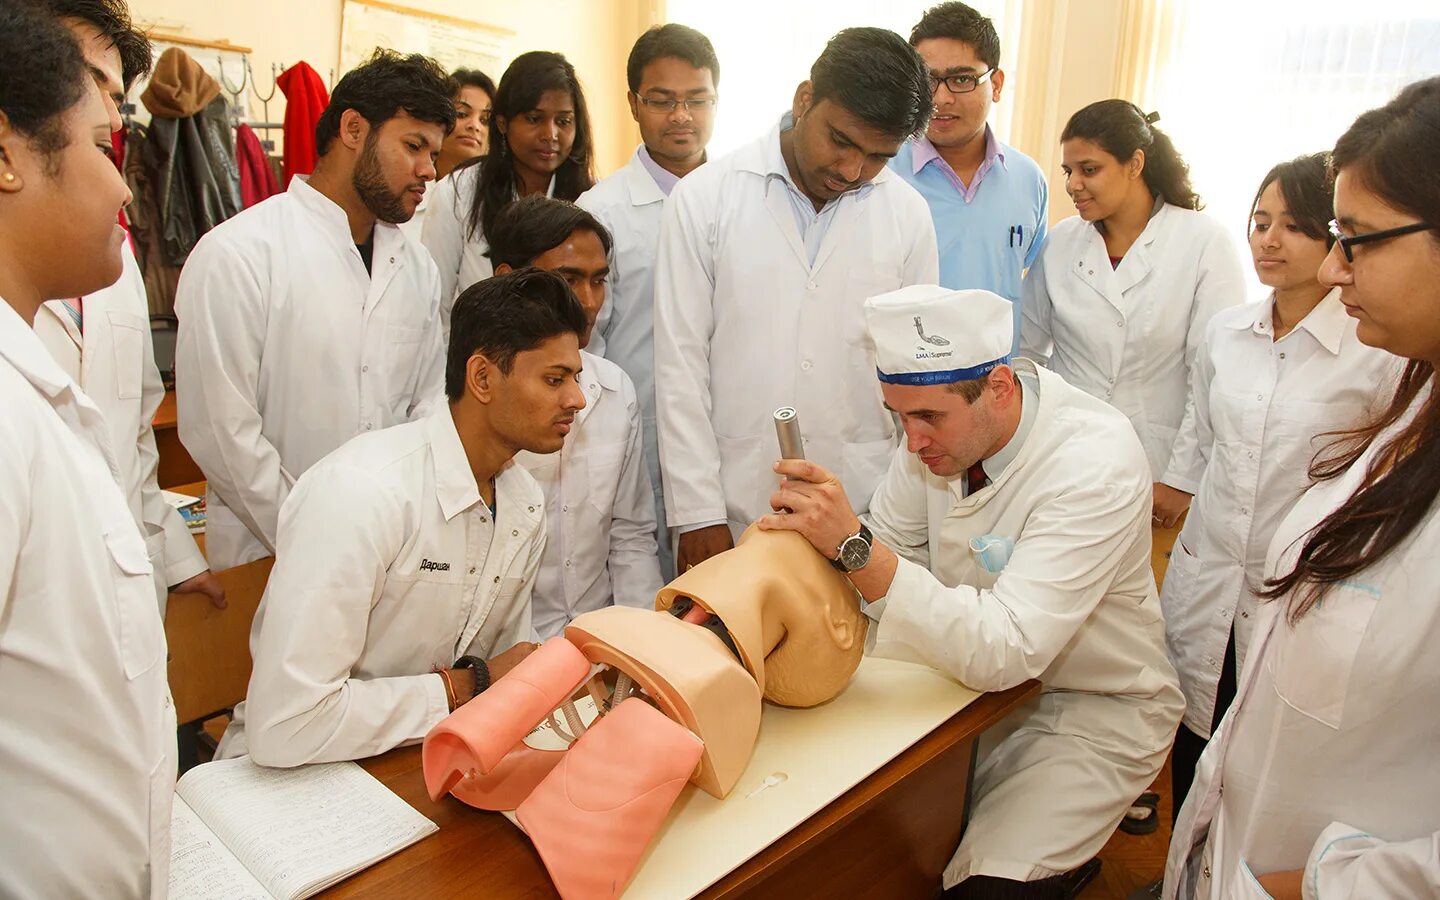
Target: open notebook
x=242, y=832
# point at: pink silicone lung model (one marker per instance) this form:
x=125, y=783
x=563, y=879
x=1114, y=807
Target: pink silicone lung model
x=770, y=618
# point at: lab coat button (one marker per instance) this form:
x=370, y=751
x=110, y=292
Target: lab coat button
x=1119, y=323
x=1260, y=397
x=497, y=579
x=1090, y=272
x=472, y=570
x=515, y=533
x=806, y=365
x=368, y=426
x=1282, y=356
x=567, y=563
x=810, y=285
x=531, y=508
x=564, y=509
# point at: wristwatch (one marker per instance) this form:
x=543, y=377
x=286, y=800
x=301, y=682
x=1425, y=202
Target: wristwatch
x=854, y=552
x=481, y=669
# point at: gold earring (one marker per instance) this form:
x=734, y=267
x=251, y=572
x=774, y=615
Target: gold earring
x=9, y=176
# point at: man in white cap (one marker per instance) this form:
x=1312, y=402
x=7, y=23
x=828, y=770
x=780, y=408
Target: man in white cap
x=1009, y=540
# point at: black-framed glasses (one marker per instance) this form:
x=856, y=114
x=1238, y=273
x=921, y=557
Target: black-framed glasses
x=1347, y=243
x=962, y=83
x=668, y=105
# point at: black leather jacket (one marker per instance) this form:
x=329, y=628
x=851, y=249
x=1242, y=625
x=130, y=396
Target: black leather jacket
x=190, y=166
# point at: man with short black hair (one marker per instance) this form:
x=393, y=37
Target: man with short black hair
x=989, y=200
x=406, y=558
x=673, y=76
x=102, y=340
x=765, y=259
x=310, y=318
x=600, y=548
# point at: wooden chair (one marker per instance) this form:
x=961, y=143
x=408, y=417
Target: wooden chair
x=209, y=664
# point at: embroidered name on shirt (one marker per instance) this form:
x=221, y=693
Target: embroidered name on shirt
x=428, y=566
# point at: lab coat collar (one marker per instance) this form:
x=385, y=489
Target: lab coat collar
x=455, y=485
x=337, y=224
x=597, y=375
x=21, y=346
x=998, y=467
x=1326, y=323
x=641, y=184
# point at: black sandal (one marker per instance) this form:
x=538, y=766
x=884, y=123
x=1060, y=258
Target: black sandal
x=1143, y=817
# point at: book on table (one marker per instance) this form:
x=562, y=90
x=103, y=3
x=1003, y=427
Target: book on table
x=239, y=831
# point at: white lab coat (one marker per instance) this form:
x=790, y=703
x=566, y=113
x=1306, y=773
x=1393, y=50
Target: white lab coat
x=1259, y=408
x=288, y=348
x=1326, y=760
x=1130, y=335
x=458, y=254
x=1074, y=607
x=745, y=324
x=631, y=205
x=389, y=566
x=114, y=364
x=87, y=747
x=600, y=532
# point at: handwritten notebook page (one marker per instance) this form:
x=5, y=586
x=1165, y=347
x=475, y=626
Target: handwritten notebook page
x=301, y=830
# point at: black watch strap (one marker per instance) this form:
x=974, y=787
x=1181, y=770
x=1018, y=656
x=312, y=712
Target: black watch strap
x=865, y=535
x=481, y=669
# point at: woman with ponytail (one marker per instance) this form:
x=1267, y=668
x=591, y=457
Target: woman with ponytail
x=1120, y=297
x=539, y=142
x=1321, y=779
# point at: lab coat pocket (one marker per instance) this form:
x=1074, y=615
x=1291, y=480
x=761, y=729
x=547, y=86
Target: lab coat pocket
x=747, y=493
x=602, y=469
x=140, y=629
x=1312, y=664
x=1245, y=886
x=128, y=333
x=1177, y=594
x=402, y=343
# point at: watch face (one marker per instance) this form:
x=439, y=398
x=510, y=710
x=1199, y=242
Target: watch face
x=854, y=553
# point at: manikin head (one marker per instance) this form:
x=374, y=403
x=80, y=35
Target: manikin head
x=558, y=237
x=384, y=128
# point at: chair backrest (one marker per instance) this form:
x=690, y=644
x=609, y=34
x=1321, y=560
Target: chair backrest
x=209, y=647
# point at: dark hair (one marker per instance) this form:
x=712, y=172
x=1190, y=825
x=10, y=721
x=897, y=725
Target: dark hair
x=672, y=40
x=384, y=86
x=42, y=76
x=1309, y=194
x=1120, y=128
x=530, y=226
x=1393, y=151
x=878, y=77
x=111, y=18
x=521, y=87
x=959, y=22
x=507, y=315
x=475, y=78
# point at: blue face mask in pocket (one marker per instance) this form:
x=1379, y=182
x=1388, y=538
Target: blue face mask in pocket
x=991, y=551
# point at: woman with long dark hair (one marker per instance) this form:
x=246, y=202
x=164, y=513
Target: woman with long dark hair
x=1121, y=295
x=88, y=743
x=1270, y=378
x=540, y=142
x=1322, y=773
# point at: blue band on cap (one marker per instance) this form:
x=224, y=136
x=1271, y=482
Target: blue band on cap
x=949, y=376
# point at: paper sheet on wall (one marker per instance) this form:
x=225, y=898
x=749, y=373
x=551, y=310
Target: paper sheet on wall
x=804, y=759
x=451, y=42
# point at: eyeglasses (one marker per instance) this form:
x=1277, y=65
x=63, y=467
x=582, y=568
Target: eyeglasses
x=959, y=84
x=1347, y=243
x=692, y=105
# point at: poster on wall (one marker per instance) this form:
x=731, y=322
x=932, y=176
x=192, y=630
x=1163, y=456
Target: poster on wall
x=454, y=43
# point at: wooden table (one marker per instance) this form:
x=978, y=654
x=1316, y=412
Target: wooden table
x=888, y=837
x=176, y=467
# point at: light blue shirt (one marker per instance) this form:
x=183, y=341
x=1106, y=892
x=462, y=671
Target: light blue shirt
x=988, y=239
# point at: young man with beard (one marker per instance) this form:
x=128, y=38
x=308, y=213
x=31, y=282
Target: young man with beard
x=673, y=75
x=988, y=199
x=310, y=318
x=407, y=557
x=766, y=257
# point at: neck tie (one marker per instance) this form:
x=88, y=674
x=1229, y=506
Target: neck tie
x=975, y=479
